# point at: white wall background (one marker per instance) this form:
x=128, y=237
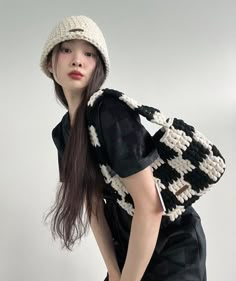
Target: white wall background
x=177, y=54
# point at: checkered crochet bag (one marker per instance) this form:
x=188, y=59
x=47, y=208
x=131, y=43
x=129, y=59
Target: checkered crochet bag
x=187, y=166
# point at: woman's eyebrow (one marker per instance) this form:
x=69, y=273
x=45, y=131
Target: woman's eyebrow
x=89, y=44
x=91, y=47
x=84, y=43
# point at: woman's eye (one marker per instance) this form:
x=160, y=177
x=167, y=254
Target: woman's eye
x=89, y=54
x=65, y=50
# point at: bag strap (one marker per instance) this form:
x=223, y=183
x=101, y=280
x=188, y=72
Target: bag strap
x=152, y=114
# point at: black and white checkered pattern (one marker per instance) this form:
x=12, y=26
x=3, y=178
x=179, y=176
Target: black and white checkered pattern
x=187, y=166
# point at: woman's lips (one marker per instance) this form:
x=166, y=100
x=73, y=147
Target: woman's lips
x=75, y=76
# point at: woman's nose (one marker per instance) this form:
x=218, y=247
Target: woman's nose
x=76, y=63
x=76, y=60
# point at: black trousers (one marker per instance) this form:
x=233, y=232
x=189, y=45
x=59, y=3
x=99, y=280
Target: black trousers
x=180, y=252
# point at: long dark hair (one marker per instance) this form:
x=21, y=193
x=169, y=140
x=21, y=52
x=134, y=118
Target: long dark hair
x=81, y=182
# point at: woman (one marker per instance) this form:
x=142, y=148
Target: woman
x=143, y=245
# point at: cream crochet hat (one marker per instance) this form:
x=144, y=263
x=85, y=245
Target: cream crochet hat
x=75, y=27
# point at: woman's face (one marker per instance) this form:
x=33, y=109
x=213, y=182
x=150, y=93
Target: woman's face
x=73, y=55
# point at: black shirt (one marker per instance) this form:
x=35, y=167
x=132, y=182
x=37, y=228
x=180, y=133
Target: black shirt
x=129, y=146
x=129, y=149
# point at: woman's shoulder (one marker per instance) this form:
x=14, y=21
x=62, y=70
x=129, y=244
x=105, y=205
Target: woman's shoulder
x=114, y=104
x=106, y=96
x=58, y=128
x=110, y=110
x=110, y=96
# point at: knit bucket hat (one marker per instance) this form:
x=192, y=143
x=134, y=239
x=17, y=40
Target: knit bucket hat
x=75, y=27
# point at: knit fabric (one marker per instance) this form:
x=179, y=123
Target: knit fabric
x=180, y=251
x=128, y=147
x=186, y=166
x=75, y=27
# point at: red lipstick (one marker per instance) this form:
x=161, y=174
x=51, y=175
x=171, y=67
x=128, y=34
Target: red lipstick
x=75, y=74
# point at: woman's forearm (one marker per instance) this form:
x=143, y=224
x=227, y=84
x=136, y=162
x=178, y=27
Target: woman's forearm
x=104, y=240
x=143, y=237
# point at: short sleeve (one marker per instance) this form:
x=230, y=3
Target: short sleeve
x=129, y=146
